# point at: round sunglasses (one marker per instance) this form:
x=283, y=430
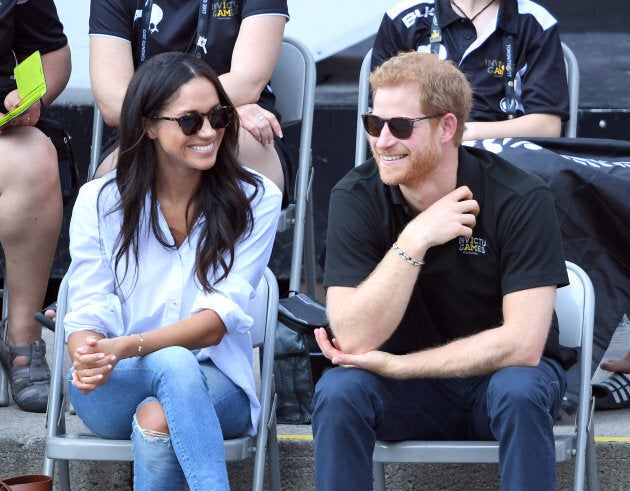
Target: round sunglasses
x=218, y=117
x=400, y=128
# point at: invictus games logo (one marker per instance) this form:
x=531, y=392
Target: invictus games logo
x=472, y=245
x=225, y=9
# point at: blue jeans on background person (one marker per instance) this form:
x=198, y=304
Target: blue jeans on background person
x=516, y=406
x=202, y=407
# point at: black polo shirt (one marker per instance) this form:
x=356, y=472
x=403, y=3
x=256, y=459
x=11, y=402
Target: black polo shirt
x=174, y=26
x=540, y=81
x=26, y=27
x=516, y=245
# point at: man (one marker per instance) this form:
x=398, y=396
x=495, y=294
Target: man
x=30, y=194
x=442, y=266
x=481, y=36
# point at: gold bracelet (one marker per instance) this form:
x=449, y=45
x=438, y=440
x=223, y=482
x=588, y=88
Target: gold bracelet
x=140, y=345
x=406, y=257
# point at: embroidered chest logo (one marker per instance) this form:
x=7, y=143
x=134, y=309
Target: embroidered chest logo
x=496, y=68
x=225, y=9
x=472, y=245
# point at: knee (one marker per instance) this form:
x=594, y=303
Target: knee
x=151, y=420
x=31, y=160
x=170, y=363
x=341, y=393
x=520, y=389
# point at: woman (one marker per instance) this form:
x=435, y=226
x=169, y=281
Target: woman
x=158, y=331
x=240, y=40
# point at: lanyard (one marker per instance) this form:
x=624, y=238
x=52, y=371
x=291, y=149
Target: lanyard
x=508, y=77
x=202, y=27
x=146, y=23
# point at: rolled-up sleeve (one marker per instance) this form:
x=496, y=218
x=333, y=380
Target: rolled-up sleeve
x=92, y=303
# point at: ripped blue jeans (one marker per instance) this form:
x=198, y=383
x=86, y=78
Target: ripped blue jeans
x=202, y=407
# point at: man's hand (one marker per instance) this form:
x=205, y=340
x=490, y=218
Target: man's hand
x=453, y=215
x=379, y=362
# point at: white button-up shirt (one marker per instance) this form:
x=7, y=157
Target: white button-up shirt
x=113, y=303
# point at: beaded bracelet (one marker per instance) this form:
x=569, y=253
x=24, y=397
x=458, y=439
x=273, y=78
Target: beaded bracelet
x=406, y=257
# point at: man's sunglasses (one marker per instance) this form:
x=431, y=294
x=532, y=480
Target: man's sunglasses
x=400, y=128
x=219, y=118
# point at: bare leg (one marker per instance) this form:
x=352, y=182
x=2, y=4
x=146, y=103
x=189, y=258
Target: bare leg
x=30, y=221
x=261, y=158
x=618, y=365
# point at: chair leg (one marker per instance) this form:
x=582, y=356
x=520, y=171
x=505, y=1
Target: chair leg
x=4, y=376
x=592, y=480
x=64, y=475
x=310, y=274
x=273, y=456
x=379, y=476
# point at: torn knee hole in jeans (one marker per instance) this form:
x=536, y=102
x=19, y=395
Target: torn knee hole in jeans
x=152, y=435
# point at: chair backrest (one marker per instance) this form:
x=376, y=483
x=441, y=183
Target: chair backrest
x=573, y=81
x=570, y=127
x=79, y=446
x=293, y=82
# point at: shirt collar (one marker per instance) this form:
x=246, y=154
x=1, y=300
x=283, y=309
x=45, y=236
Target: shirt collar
x=507, y=18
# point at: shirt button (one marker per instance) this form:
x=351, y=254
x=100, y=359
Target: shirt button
x=467, y=36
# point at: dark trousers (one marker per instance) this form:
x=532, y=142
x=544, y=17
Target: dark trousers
x=515, y=405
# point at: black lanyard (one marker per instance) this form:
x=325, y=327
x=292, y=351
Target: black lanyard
x=508, y=77
x=202, y=27
x=146, y=23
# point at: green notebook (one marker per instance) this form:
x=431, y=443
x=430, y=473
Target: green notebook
x=31, y=85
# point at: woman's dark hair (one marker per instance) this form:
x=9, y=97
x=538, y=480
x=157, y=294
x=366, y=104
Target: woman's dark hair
x=220, y=198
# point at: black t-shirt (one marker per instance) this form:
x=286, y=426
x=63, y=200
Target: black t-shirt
x=540, y=78
x=516, y=246
x=26, y=27
x=173, y=27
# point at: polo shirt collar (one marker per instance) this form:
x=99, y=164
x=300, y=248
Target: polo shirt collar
x=507, y=19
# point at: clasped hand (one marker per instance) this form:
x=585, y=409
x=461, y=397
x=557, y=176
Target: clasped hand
x=93, y=363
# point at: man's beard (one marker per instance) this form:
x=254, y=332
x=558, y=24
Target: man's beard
x=421, y=164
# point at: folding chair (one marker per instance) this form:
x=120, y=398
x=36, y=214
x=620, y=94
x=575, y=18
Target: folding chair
x=64, y=446
x=293, y=81
x=575, y=306
x=570, y=127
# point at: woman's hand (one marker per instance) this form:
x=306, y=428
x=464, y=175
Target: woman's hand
x=261, y=123
x=93, y=362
